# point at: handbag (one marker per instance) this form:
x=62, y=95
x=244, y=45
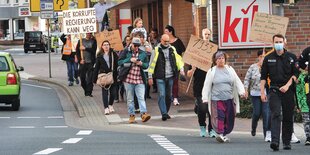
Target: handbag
x=122, y=71
x=105, y=79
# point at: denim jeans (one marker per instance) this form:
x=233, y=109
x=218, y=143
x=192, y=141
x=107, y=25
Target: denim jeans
x=70, y=70
x=139, y=90
x=260, y=108
x=164, y=87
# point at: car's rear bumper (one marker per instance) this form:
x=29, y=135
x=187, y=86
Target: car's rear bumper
x=9, y=90
x=8, y=99
x=34, y=46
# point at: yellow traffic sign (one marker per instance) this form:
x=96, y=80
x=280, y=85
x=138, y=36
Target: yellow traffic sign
x=59, y=5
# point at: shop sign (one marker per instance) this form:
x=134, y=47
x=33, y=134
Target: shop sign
x=24, y=11
x=235, y=18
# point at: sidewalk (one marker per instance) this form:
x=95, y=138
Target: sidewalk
x=91, y=112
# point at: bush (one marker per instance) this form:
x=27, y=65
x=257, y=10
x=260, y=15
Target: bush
x=246, y=110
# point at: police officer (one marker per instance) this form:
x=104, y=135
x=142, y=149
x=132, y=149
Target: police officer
x=279, y=66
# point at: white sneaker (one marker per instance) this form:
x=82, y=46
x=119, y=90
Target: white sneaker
x=111, y=109
x=268, y=136
x=106, y=111
x=226, y=139
x=294, y=139
x=175, y=101
x=220, y=138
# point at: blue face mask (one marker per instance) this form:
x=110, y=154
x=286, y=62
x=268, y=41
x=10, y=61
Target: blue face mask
x=278, y=46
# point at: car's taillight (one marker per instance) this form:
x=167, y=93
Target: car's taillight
x=11, y=79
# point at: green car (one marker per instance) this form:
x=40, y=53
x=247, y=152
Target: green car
x=9, y=81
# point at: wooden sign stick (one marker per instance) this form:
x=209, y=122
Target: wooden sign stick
x=190, y=81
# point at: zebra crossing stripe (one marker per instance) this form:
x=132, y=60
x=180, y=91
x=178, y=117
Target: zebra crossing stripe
x=169, y=146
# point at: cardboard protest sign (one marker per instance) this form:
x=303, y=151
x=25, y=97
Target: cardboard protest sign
x=199, y=53
x=264, y=26
x=113, y=37
x=79, y=21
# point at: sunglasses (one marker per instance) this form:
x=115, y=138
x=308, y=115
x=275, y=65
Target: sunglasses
x=136, y=45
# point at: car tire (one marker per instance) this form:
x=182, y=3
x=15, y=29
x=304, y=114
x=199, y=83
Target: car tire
x=44, y=51
x=34, y=51
x=26, y=51
x=16, y=105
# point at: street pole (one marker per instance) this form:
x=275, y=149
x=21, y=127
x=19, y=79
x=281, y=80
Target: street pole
x=49, y=48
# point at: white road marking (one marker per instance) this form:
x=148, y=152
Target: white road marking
x=51, y=127
x=22, y=127
x=72, y=140
x=84, y=132
x=28, y=117
x=169, y=146
x=55, y=117
x=4, y=117
x=48, y=151
x=36, y=86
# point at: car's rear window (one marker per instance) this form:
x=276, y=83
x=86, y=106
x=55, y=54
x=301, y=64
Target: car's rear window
x=4, y=66
x=34, y=34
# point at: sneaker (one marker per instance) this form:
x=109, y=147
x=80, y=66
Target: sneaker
x=226, y=139
x=111, y=109
x=145, y=117
x=106, y=111
x=116, y=101
x=212, y=134
x=137, y=111
x=176, y=102
x=220, y=138
x=203, y=132
x=132, y=119
x=268, y=136
x=294, y=139
x=164, y=117
x=77, y=81
x=70, y=83
x=168, y=116
x=307, y=142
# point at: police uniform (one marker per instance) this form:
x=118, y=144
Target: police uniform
x=280, y=69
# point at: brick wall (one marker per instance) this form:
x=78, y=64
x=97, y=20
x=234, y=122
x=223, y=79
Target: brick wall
x=298, y=31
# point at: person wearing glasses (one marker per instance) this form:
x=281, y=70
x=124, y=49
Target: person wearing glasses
x=135, y=80
x=164, y=66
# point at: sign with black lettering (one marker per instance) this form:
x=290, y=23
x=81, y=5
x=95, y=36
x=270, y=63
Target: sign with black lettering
x=199, y=53
x=112, y=36
x=79, y=21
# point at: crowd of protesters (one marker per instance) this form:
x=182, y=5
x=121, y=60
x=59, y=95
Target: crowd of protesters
x=272, y=83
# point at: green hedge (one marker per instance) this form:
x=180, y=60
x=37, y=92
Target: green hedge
x=246, y=110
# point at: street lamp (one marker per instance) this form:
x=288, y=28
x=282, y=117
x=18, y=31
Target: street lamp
x=200, y=3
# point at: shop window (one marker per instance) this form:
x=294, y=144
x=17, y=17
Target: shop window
x=18, y=28
x=4, y=30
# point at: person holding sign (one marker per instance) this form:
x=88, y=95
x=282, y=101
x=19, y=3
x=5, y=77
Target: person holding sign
x=221, y=91
x=86, y=53
x=280, y=67
x=107, y=59
x=71, y=59
x=164, y=66
x=200, y=108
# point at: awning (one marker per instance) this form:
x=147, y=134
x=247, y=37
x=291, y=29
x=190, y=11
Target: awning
x=132, y=4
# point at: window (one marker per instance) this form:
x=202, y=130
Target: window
x=3, y=64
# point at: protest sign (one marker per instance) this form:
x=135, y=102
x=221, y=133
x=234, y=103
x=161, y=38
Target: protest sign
x=79, y=21
x=113, y=37
x=264, y=26
x=199, y=53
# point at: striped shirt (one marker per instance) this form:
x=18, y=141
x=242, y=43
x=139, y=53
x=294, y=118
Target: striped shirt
x=134, y=76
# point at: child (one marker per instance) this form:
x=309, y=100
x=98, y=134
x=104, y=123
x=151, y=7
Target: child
x=138, y=26
x=302, y=91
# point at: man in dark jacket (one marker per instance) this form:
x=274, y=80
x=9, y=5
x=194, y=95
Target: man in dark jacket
x=86, y=54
